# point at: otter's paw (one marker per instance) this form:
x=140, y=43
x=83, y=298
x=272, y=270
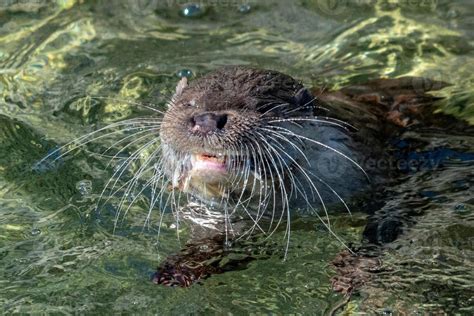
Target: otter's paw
x=176, y=275
x=353, y=271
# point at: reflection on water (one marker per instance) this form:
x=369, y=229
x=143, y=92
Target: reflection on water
x=67, y=67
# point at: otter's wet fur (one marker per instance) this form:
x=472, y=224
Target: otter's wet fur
x=278, y=149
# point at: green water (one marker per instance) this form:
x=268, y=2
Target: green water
x=57, y=255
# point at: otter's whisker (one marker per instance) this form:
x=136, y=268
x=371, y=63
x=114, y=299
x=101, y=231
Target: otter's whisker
x=134, y=135
x=343, y=243
x=287, y=140
x=291, y=133
x=82, y=140
x=239, y=202
x=252, y=194
x=144, y=187
x=281, y=147
x=284, y=195
x=261, y=198
x=266, y=167
x=333, y=191
x=147, y=132
x=272, y=109
x=280, y=176
x=157, y=173
x=123, y=167
x=327, y=225
x=136, y=176
x=148, y=106
x=309, y=181
x=285, y=206
x=334, y=122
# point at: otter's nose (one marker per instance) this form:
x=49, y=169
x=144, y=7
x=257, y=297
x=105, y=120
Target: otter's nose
x=208, y=122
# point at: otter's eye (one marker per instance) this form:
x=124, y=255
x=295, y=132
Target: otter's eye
x=189, y=104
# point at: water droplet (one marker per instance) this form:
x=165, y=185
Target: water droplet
x=460, y=208
x=131, y=197
x=245, y=8
x=452, y=14
x=387, y=312
x=185, y=73
x=192, y=10
x=203, y=247
x=50, y=161
x=84, y=187
x=35, y=232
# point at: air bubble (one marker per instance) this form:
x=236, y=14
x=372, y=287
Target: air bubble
x=51, y=161
x=204, y=247
x=188, y=73
x=192, y=10
x=131, y=197
x=461, y=208
x=452, y=14
x=84, y=187
x=245, y=8
x=35, y=232
x=387, y=312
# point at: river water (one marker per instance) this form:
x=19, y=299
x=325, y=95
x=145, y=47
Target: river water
x=66, y=67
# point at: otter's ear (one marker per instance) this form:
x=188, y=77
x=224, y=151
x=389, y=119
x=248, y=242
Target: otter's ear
x=183, y=83
x=303, y=97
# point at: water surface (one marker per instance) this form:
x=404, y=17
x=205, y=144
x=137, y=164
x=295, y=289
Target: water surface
x=58, y=255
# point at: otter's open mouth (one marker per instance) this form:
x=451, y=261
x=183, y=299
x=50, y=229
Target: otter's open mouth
x=208, y=175
x=209, y=163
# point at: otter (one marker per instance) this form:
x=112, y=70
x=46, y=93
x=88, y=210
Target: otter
x=244, y=137
x=243, y=150
x=256, y=144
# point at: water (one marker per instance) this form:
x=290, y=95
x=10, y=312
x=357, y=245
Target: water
x=58, y=255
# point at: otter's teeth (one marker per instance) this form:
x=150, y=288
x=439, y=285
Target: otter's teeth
x=209, y=162
x=219, y=158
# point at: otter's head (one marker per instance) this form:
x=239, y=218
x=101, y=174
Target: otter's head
x=217, y=134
